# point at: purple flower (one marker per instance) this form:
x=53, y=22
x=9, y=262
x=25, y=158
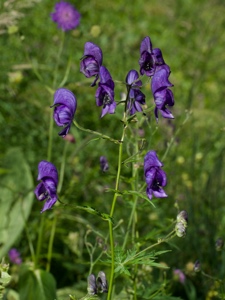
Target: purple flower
x=136, y=97
x=105, y=92
x=14, y=256
x=146, y=60
x=159, y=61
x=65, y=105
x=47, y=188
x=66, y=16
x=104, y=164
x=155, y=177
x=162, y=95
x=91, y=61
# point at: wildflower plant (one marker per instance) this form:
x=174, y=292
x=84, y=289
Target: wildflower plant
x=119, y=259
x=145, y=180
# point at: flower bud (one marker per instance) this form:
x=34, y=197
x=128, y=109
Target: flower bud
x=219, y=244
x=102, y=282
x=92, y=287
x=180, y=229
x=182, y=217
x=197, y=266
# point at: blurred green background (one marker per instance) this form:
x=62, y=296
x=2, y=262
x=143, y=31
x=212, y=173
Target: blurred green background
x=191, y=35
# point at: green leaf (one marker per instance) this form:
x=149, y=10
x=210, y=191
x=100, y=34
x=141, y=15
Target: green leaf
x=36, y=284
x=94, y=211
x=16, y=198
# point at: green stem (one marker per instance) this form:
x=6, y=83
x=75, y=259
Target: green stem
x=112, y=212
x=62, y=169
x=39, y=242
x=97, y=133
x=50, y=244
x=160, y=241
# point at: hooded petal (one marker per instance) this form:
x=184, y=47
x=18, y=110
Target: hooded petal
x=160, y=80
x=146, y=45
x=131, y=77
x=151, y=160
x=65, y=97
x=105, y=76
x=90, y=49
x=47, y=169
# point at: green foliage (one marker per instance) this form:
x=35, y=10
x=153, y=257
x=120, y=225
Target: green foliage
x=16, y=198
x=191, y=36
x=36, y=284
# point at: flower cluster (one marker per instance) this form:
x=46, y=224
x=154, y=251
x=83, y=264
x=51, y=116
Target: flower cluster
x=155, y=177
x=47, y=188
x=153, y=65
x=66, y=16
x=91, y=65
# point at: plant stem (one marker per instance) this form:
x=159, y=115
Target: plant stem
x=97, y=133
x=62, y=169
x=50, y=244
x=112, y=212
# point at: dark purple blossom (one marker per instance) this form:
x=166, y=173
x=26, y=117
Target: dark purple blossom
x=14, y=256
x=136, y=97
x=91, y=61
x=65, y=105
x=155, y=177
x=66, y=16
x=105, y=92
x=146, y=60
x=162, y=95
x=104, y=164
x=151, y=60
x=47, y=188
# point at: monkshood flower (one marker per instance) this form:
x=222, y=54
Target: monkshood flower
x=47, y=188
x=162, y=95
x=66, y=16
x=14, y=256
x=136, y=97
x=146, y=60
x=105, y=92
x=104, y=164
x=91, y=61
x=155, y=177
x=65, y=105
